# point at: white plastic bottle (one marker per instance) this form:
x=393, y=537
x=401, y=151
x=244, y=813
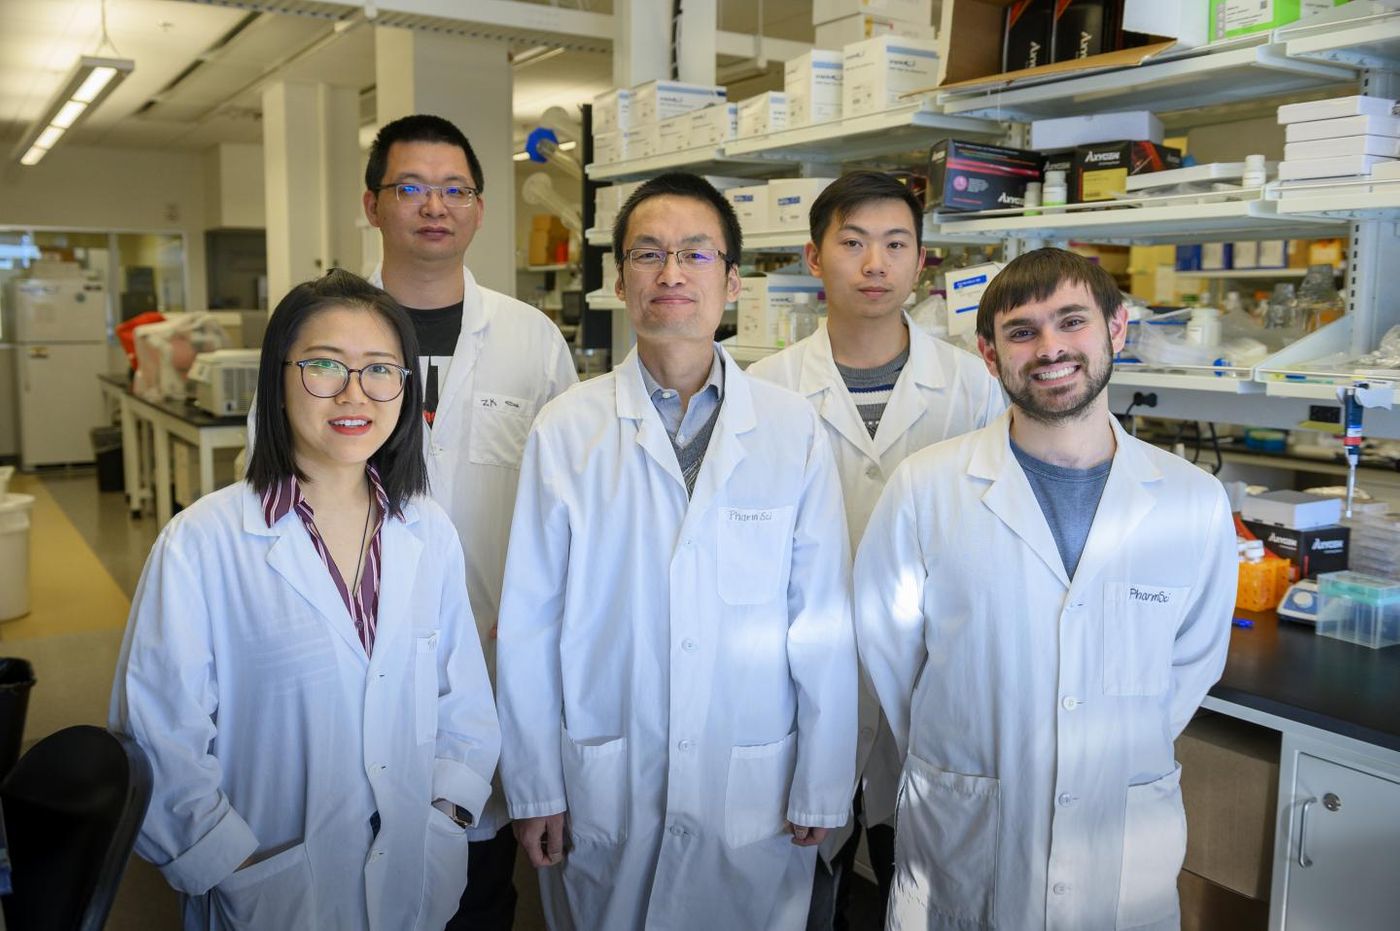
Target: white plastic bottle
x=1255, y=174
x=1054, y=192
x=802, y=319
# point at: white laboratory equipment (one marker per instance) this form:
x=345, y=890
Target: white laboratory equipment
x=60, y=334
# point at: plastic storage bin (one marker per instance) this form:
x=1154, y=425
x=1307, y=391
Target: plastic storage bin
x=1359, y=608
x=14, y=555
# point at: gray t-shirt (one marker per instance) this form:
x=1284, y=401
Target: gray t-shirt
x=1068, y=499
x=872, y=389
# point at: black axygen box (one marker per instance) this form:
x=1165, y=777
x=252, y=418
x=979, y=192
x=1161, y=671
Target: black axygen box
x=1322, y=549
x=974, y=176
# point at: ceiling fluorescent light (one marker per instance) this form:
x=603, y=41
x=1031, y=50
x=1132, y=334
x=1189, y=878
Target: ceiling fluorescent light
x=87, y=85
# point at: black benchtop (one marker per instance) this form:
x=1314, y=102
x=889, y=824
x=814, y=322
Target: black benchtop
x=1284, y=669
x=182, y=410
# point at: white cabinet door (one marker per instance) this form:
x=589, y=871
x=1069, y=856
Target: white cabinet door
x=1344, y=869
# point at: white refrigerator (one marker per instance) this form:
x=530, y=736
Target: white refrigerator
x=60, y=335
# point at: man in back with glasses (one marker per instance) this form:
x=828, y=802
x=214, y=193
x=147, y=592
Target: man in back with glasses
x=678, y=676
x=489, y=364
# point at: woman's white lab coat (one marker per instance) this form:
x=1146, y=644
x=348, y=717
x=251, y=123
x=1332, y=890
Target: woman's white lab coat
x=1040, y=788
x=942, y=392
x=271, y=733
x=680, y=675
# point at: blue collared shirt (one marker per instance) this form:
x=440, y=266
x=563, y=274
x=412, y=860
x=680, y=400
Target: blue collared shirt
x=682, y=428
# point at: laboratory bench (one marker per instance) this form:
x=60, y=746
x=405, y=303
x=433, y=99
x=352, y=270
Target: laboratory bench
x=1333, y=710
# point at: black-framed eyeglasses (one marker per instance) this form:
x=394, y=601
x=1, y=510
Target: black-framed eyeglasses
x=417, y=193
x=326, y=378
x=693, y=260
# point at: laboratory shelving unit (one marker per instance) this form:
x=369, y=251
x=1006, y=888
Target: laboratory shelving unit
x=1237, y=80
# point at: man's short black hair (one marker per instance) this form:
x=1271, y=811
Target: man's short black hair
x=420, y=127
x=682, y=184
x=1035, y=276
x=855, y=189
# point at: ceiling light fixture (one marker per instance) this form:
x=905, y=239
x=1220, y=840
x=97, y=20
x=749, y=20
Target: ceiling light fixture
x=92, y=79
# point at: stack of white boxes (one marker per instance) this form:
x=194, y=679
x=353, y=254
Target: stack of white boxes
x=1340, y=137
x=780, y=206
x=766, y=113
x=654, y=118
x=765, y=302
x=876, y=72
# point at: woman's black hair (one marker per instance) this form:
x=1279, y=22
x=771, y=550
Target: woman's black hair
x=400, y=460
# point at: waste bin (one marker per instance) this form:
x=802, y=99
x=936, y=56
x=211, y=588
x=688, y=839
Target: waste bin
x=107, y=452
x=16, y=679
x=14, y=555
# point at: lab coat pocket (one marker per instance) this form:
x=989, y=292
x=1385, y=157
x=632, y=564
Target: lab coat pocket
x=425, y=686
x=274, y=893
x=946, y=834
x=595, y=789
x=1139, y=627
x=499, y=426
x=444, y=871
x=756, y=794
x=1154, y=847
x=753, y=546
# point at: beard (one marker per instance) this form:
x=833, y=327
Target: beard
x=1061, y=407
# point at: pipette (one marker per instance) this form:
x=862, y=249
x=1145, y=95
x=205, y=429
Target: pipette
x=1351, y=440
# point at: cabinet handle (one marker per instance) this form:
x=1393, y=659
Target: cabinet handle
x=1304, y=860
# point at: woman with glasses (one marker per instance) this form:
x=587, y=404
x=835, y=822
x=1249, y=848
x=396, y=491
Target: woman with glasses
x=301, y=664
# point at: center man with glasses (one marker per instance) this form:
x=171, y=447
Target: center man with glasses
x=677, y=672
x=489, y=363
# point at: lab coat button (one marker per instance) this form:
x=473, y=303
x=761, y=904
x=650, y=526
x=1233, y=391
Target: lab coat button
x=677, y=830
x=690, y=646
x=1065, y=798
x=686, y=744
x=437, y=450
x=1060, y=888
x=866, y=733
x=1069, y=703
x=873, y=472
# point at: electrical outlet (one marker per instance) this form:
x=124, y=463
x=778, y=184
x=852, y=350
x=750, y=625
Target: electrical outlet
x=1324, y=413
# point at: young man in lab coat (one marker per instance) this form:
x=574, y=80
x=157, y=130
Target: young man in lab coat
x=677, y=667
x=1041, y=606
x=884, y=389
x=490, y=363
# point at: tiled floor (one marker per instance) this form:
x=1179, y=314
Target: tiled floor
x=86, y=560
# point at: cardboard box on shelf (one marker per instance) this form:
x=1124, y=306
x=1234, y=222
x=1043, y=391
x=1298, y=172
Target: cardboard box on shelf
x=1380, y=146
x=1215, y=256
x=1150, y=27
x=1244, y=254
x=661, y=100
x=640, y=141
x=766, y=113
x=671, y=135
x=913, y=11
x=875, y=72
x=1335, y=108
x=1229, y=785
x=712, y=126
x=1071, y=131
x=842, y=32
x=790, y=201
x=1027, y=33
x=1101, y=170
x=1321, y=549
x=1273, y=253
x=965, y=289
x=1206, y=906
x=812, y=82
x=1230, y=19
x=1338, y=127
x=764, y=304
x=1326, y=252
x=1084, y=28
x=612, y=110
x=1338, y=166
x=607, y=148
x=974, y=176
x=750, y=206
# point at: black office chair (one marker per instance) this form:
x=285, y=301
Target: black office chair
x=72, y=806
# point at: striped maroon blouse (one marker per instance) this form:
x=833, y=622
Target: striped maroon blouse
x=364, y=606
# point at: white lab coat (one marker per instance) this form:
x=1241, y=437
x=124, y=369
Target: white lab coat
x=1040, y=789
x=942, y=392
x=270, y=731
x=680, y=675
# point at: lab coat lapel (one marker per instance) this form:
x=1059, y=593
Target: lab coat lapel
x=633, y=404
x=820, y=376
x=400, y=549
x=474, y=319
x=1128, y=497
x=726, y=449
x=922, y=372
x=293, y=557
x=1009, y=496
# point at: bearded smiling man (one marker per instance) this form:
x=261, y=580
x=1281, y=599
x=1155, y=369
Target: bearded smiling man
x=1041, y=605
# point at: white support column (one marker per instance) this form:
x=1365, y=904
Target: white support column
x=696, y=41
x=642, y=44
x=292, y=161
x=469, y=82
x=342, y=177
